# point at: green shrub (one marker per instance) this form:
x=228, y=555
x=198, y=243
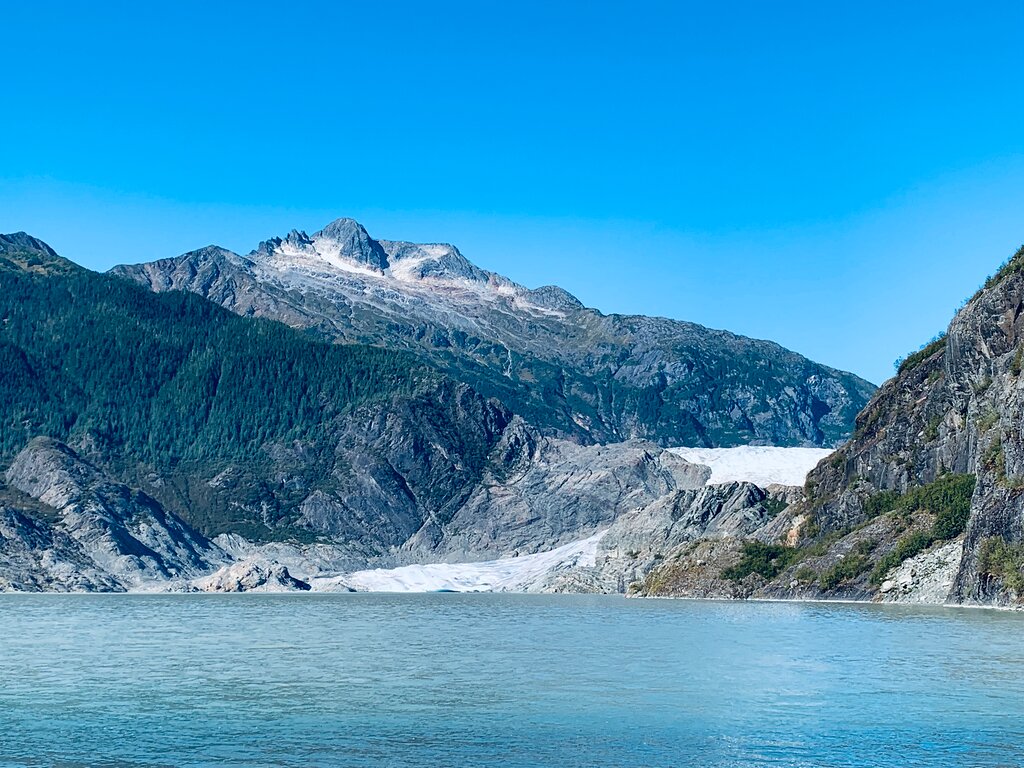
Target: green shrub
x=914, y=359
x=767, y=560
x=1012, y=266
x=908, y=547
x=805, y=575
x=994, y=458
x=1003, y=561
x=987, y=420
x=881, y=502
x=820, y=547
x=951, y=522
x=865, y=546
x=850, y=567
x=981, y=386
x=948, y=498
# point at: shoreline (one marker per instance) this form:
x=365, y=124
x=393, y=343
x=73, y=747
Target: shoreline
x=833, y=601
x=306, y=594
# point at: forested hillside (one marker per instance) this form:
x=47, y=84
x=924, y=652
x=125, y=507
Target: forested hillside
x=567, y=369
x=170, y=389
x=167, y=377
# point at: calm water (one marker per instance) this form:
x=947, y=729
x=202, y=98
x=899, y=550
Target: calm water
x=468, y=680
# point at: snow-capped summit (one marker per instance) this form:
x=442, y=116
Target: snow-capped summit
x=344, y=253
x=562, y=366
x=345, y=247
x=347, y=238
x=343, y=244
x=438, y=261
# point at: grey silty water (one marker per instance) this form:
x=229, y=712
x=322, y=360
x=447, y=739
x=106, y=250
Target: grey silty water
x=468, y=680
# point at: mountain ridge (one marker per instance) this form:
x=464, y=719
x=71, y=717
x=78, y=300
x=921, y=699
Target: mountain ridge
x=247, y=427
x=570, y=370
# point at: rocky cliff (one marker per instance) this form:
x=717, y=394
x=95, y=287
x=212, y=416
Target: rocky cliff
x=77, y=530
x=566, y=369
x=927, y=500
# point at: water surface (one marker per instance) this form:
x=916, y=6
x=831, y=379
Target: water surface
x=512, y=680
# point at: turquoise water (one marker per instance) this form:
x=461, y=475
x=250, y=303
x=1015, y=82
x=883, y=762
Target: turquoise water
x=474, y=680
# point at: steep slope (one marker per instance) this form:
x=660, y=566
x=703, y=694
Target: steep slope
x=125, y=534
x=35, y=556
x=927, y=500
x=245, y=426
x=569, y=370
x=235, y=424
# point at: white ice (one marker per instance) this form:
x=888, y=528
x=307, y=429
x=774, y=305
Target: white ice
x=513, y=574
x=760, y=465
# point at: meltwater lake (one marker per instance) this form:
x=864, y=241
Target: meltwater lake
x=509, y=680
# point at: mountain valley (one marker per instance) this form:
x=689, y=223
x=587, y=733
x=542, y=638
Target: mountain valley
x=402, y=434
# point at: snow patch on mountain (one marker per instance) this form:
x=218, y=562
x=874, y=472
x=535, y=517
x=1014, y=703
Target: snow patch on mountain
x=757, y=464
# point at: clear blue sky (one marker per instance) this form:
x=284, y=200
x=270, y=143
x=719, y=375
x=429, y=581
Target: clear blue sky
x=835, y=177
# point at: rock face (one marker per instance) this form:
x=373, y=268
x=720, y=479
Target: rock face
x=252, y=575
x=558, y=493
x=110, y=536
x=926, y=502
x=401, y=465
x=955, y=407
x=643, y=541
x=566, y=369
x=38, y=557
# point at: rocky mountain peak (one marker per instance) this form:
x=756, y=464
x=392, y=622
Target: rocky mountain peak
x=426, y=261
x=22, y=241
x=564, y=367
x=345, y=229
x=22, y=252
x=555, y=298
x=343, y=244
x=350, y=240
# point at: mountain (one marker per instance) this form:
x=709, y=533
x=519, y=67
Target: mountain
x=926, y=502
x=568, y=370
x=169, y=405
x=234, y=424
x=108, y=535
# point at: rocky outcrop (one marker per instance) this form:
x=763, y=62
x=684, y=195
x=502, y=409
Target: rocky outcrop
x=568, y=370
x=562, y=493
x=926, y=502
x=35, y=556
x=644, y=540
x=954, y=408
x=122, y=536
x=252, y=575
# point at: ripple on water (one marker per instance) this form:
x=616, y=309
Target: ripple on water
x=415, y=680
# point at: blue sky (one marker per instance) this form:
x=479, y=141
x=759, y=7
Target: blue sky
x=836, y=178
